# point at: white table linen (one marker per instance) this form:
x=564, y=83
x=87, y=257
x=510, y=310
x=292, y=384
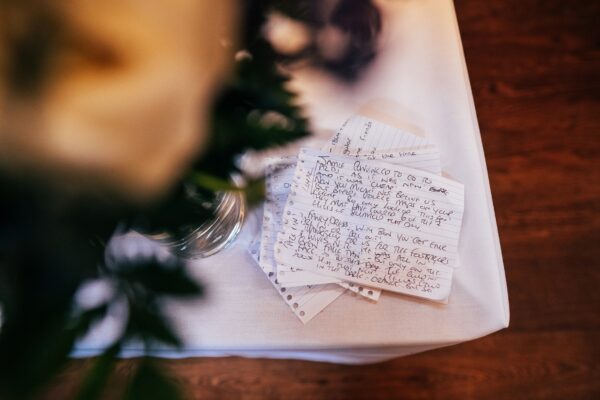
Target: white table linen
x=418, y=81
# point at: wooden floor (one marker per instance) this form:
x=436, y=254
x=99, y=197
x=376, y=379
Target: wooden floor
x=534, y=72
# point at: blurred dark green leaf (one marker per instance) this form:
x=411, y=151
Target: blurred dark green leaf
x=149, y=324
x=210, y=182
x=150, y=383
x=162, y=278
x=182, y=210
x=254, y=191
x=96, y=379
x=243, y=113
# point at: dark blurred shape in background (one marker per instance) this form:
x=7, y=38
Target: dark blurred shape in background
x=338, y=35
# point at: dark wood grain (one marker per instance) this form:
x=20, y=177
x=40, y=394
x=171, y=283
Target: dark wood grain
x=534, y=68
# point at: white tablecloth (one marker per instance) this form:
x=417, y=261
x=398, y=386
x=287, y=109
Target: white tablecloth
x=419, y=81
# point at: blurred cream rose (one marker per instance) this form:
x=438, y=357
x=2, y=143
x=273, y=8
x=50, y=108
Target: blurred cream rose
x=123, y=100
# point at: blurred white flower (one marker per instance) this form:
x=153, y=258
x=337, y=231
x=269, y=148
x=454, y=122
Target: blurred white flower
x=285, y=34
x=94, y=293
x=123, y=103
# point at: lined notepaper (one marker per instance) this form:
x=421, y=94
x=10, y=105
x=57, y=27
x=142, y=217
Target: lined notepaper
x=372, y=223
x=280, y=172
x=306, y=301
x=360, y=136
x=368, y=212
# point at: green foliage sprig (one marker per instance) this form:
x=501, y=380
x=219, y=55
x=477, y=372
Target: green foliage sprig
x=51, y=242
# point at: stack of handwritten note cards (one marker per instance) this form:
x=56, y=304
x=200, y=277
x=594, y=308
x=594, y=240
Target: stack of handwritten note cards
x=368, y=212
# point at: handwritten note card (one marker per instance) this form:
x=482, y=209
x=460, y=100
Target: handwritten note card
x=280, y=172
x=361, y=137
x=306, y=301
x=372, y=223
x=368, y=212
